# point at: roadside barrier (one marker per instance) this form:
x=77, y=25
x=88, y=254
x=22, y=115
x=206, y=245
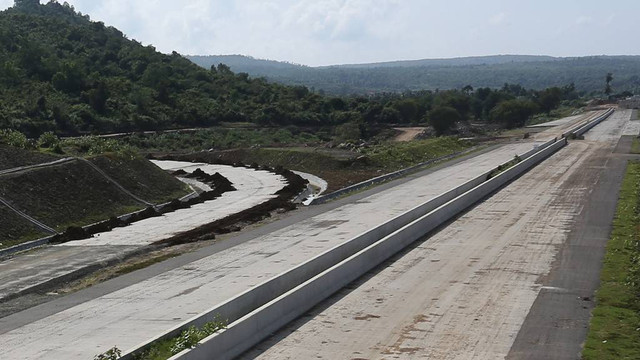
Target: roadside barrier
x=580, y=129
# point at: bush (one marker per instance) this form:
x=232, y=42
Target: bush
x=513, y=113
x=13, y=138
x=443, y=119
x=48, y=140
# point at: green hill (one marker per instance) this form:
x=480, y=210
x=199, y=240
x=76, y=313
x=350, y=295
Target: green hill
x=531, y=72
x=61, y=72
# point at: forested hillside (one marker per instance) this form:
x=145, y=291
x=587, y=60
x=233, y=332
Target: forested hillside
x=61, y=72
x=533, y=72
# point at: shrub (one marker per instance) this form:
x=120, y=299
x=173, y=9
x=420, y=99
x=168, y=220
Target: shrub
x=13, y=138
x=48, y=140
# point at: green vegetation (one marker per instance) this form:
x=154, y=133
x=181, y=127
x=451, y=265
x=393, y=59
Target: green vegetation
x=396, y=156
x=635, y=146
x=443, y=119
x=112, y=354
x=162, y=350
x=614, y=331
x=504, y=167
x=222, y=138
x=63, y=74
x=534, y=72
x=513, y=113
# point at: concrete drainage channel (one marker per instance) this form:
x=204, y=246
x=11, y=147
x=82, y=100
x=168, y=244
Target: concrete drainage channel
x=260, y=311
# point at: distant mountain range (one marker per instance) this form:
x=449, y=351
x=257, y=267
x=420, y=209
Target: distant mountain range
x=534, y=72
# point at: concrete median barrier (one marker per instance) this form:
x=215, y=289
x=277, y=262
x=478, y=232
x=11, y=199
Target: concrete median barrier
x=582, y=128
x=247, y=330
x=588, y=126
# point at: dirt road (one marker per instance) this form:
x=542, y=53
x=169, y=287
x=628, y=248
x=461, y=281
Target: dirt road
x=408, y=134
x=464, y=292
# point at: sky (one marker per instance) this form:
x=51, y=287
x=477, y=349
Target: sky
x=328, y=32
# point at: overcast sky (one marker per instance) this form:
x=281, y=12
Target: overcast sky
x=324, y=32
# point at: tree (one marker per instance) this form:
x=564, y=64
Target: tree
x=408, y=109
x=513, y=113
x=443, y=119
x=549, y=99
x=607, y=88
x=26, y=4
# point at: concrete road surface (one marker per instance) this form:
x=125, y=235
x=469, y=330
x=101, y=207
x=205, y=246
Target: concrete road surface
x=34, y=268
x=465, y=291
x=139, y=312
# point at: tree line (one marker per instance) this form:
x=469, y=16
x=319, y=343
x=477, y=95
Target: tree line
x=62, y=73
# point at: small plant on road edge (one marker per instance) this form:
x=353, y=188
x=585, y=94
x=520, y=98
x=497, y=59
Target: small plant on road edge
x=112, y=354
x=188, y=339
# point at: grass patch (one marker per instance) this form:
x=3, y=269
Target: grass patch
x=164, y=349
x=221, y=138
x=635, y=146
x=188, y=339
x=395, y=156
x=614, y=331
x=504, y=167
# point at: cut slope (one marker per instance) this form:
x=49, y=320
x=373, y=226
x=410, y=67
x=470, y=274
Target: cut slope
x=75, y=194
x=65, y=195
x=11, y=157
x=14, y=228
x=141, y=177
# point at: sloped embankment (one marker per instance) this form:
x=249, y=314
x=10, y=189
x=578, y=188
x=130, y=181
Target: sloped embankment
x=11, y=157
x=141, y=177
x=75, y=194
x=14, y=228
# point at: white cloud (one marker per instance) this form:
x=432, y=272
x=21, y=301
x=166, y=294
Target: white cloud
x=584, y=20
x=498, y=19
x=322, y=32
